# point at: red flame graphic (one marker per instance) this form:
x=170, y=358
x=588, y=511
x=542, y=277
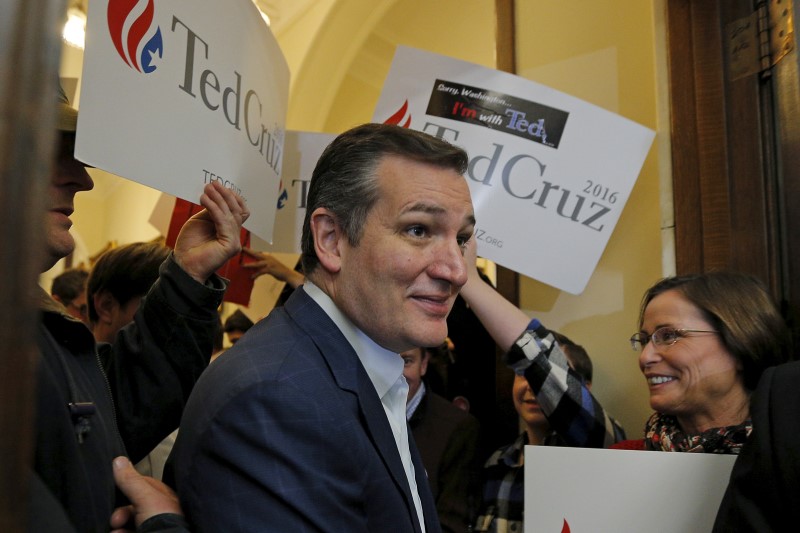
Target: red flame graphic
x=565, y=529
x=398, y=116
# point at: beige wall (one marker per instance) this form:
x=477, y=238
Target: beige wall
x=608, y=52
x=604, y=52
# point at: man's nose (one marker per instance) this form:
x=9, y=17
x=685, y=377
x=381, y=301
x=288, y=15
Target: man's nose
x=450, y=264
x=74, y=174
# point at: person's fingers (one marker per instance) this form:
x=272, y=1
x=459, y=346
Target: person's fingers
x=222, y=201
x=148, y=496
x=121, y=517
x=253, y=253
x=125, y=475
x=213, y=201
x=235, y=204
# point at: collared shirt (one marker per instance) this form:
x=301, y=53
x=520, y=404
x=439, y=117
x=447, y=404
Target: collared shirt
x=385, y=371
x=503, y=490
x=576, y=419
x=414, y=402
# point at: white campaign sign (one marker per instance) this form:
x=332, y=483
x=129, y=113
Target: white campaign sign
x=549, y=173
x=301, y=150
x=579, y=490
x=180, y=93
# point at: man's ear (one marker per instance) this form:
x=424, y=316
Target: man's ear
x=104, y=305
x=327, y=239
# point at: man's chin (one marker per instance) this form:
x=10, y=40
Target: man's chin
x=57, y=250
x=431, y=336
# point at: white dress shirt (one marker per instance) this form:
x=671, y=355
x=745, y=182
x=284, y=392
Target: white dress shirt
x=385, y=371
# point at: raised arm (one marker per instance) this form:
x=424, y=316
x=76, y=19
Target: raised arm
x=155, y=361
x=532, y=351
x=504, y=321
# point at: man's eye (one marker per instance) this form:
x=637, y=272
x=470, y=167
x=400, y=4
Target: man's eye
x=417, y=231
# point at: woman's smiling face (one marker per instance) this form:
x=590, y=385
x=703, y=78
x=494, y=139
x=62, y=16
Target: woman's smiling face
x=695, y=379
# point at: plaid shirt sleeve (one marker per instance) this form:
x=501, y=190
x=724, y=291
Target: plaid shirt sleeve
x=574, y=414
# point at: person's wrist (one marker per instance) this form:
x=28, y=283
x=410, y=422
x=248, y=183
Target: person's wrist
x=163, y=523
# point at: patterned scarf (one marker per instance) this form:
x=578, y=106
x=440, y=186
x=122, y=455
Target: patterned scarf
x=662, y=433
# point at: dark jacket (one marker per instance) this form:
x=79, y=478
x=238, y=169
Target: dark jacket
x=447, y=439
x=286, y=432
x=152, y=367
x=764, y=490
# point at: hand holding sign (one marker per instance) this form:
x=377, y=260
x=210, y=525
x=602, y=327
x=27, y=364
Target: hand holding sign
x=211, y=237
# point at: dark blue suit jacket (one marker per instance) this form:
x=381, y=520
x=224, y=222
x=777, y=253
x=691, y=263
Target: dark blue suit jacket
x=285, y=432
x=764, y=490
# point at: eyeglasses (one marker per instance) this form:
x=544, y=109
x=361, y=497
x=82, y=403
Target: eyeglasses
x=665, y=336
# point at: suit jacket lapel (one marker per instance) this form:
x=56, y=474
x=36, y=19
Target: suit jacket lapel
x=350, y=375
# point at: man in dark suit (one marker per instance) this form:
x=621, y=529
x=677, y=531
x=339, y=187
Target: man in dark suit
x=447, y=439
x=301, y=426
x=764, y=490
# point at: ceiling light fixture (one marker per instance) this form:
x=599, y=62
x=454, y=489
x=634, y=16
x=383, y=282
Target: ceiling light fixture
x=75, y=28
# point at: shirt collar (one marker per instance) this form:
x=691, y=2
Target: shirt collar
x=383, y=366
x=414, y=402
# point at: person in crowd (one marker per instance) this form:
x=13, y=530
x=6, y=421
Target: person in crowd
x=551, y=393
x=532, y=351
x=447, y=439
x=119, y=279
x=69, y=289
x=445, y=433
x=503, y=476
x=452, y=375
x=704, y=340
x=764, y=490
x=85, y=417
x=304, y=418
x=237, y=325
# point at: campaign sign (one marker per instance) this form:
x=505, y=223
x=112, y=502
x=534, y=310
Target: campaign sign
x=177, y=94
x=301, y=150
x=574, y=490
x=549, y=173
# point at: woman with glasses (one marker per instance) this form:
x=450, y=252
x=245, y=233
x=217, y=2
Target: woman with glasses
x=704, y=340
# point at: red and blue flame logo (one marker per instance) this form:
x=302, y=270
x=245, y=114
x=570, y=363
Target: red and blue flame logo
x=134, y=34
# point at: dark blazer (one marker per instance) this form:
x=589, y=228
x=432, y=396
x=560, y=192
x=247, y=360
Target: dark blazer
x=285, y=432
x=764, y=490
x=447, y=439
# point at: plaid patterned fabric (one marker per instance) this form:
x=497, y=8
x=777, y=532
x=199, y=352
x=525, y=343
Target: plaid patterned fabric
x=503, y=498
x=576, y=417
x=574, y=414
